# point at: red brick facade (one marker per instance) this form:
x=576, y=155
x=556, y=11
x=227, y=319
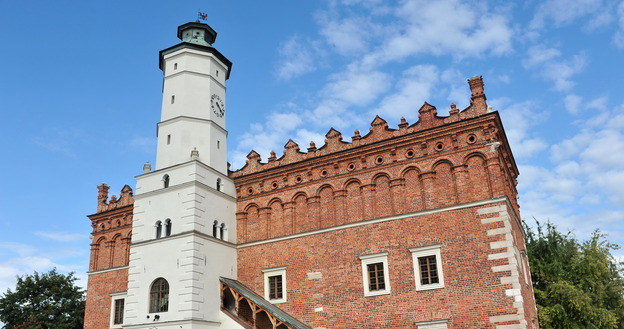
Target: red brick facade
x=317, y=213
x=110, y=251
x=447, y=181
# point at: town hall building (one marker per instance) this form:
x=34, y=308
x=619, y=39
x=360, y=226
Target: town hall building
x=413, y=226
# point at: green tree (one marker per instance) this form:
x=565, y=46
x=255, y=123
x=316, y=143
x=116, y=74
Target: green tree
x=43, y=301
x=576, y=284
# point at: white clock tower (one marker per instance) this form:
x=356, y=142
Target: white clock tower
x=184, y=226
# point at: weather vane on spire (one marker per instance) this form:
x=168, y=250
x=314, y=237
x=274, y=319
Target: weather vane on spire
x=201, y=16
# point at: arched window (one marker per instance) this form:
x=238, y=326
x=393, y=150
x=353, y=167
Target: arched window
x=165, y=181
x=218, y=184
x=158, y=226
x=215, y=228
x=159, y=296
x=167, y=227
x=222, y=231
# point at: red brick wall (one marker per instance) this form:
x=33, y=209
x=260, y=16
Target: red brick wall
x=99, y=288
x=471, y=295
x=110, y=249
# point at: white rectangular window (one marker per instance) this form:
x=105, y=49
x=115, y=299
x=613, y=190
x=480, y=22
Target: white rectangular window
x=428, y=267
x=117, y=309
x=375, y=275
x=275, y=284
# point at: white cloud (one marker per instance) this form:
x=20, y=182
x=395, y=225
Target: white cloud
x=595, y=13
x=356, y=87
x=618, y=38
x=584, y=188
x=540, y=54
x=520, y=120
x=412, y=90
x=426, y=29
x=572, y=103
x=21, y=259
x=17, y=248
x=560, y=73
x=348, y=36
x=62, y=236
x=297, y=57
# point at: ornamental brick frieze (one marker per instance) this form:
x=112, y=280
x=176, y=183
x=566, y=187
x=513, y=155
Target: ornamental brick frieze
x=452, y=177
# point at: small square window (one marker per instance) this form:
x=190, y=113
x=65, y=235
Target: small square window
x=427, y=267
x=375, y=275
x=275, y=284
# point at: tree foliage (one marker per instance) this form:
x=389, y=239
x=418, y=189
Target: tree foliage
x=576, y=284
x=43, y=301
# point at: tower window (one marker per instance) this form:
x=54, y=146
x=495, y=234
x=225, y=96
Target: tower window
x=275, y=284
x=217, y=72
x=168, y=139
x=167, y=227
x=118, y=311
x=215, y=226
x=158, y=229
x=165, y=181
x=172, y=99
x=175, y=66
x=218, y=144
x=159, y=296
x=218, y=184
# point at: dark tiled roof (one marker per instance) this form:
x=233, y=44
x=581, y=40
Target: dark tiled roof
x=263, y=303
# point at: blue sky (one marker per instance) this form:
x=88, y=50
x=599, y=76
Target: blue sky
x=81, y=92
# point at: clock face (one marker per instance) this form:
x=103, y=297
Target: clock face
x=218, y=107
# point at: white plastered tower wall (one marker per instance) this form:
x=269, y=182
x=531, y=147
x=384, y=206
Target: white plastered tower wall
x=192, y=155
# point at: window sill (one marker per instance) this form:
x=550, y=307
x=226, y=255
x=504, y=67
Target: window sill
x=429, y=287
x=277, y=301
x=376, y=293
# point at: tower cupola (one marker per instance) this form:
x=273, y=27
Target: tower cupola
x=197, y=33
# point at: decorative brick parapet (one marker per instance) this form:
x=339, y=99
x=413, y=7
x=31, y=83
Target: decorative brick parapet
x=106, y=204
x=379, y=130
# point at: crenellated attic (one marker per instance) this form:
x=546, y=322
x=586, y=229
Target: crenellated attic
x=427, y=118
x=433, y=163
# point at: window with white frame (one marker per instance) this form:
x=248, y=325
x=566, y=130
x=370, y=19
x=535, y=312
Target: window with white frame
x=117, y=309
x=375, y=275
x=428, y=267
x=275, y=284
